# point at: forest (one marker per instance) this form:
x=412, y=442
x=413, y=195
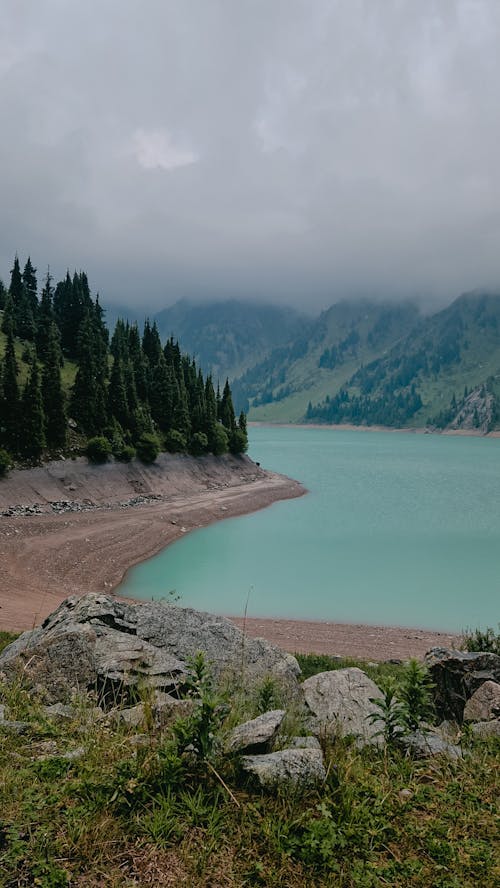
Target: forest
x=67, y=386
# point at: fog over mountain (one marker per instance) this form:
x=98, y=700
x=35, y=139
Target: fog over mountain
x=277, y=150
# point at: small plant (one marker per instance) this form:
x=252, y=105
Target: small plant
x=487, y=641
x=148, y=448
x=98, y=449
x=392, y=714
x=416, y=695
x=267, y=695
x=197, y=732
x=5, y=463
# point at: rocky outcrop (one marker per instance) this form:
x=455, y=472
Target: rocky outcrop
x=457, y=675
x=117, y=648
x=302, y=768
x=256, y=735
x=340, y=703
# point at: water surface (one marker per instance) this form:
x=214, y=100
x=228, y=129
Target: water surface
x=397, y=529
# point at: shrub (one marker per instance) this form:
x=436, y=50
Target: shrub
x=175, y=442
x=98, y=449
x=487, y=641
x=125, y=453
x=5, y=463
x=238, y=442
x=219, y=440
x=148, y=448
x=198, y=444
x=415, y=695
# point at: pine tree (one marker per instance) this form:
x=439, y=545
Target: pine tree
x=32, y=438
x=3, y=295
x=117, y=395
x=16, y=290
x=88, y=398
x=227, y=416
x=31, y=287
x=11, y=399
x=46, y=317
x=8, y=320
x=52, y=393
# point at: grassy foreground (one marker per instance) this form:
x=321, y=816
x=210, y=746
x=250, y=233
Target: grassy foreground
x=142, y=813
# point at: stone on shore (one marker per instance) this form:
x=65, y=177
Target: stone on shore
x=340, y=702
x=116, y=648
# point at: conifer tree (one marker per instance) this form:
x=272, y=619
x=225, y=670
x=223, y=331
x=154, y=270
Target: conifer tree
x=16, y=290
x=117, y=395
x=227, y=416
x=32, y=438
x=3, y=295
x=8, y=320
x=52, y=393
x=31, y=286
x=46, y=317
x=11, y=399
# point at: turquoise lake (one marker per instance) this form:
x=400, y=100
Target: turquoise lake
x=397, y=529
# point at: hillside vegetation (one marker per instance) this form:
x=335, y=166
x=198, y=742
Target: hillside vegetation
x=89, y=801
x=65, y=387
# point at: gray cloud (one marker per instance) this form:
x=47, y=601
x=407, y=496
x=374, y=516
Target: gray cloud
x=284, y=149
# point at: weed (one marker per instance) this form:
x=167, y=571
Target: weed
x=478, y=640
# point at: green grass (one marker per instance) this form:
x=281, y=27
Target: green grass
x=127, y=815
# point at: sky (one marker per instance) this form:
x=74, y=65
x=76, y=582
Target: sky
x=291, y=151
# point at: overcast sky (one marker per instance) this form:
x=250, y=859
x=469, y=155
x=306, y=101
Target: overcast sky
x=290, y=150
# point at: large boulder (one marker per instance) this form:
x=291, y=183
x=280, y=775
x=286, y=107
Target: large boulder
x=484, y=703
x=300, y=768
x=340, y=702
x=116, y=648
x=457, y=675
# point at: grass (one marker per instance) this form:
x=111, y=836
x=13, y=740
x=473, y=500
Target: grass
x=137, y=815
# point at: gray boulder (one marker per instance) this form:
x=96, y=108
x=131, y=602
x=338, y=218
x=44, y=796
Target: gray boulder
x=427, y=744
x=487, y=728
x=457, y=675
x=484, y=703
x=255, y=735
x=300, y=768
x=115, y=648
x=340, y=704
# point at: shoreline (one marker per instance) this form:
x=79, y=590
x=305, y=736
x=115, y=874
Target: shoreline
x=350, y=427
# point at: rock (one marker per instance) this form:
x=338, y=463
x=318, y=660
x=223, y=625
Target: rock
x=486, y=728
x=2, y=713
x=255, y=735
x=340, y=703
x=73, y=754
x=457, y=675
x=484, y=703
x=302, y=743
x=133, y=716
x=302, y=768
x=424, y=744
x=112, y=647
x=167, y=709
x=15, y=727
x=59, y=712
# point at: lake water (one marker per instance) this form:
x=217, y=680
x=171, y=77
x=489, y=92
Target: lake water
x=397, y=529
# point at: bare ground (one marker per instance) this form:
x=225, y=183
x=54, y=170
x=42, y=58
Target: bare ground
x=46, y=557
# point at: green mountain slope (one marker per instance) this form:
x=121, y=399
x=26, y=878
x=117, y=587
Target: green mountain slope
x=226, y=338
x=317, y=362
x=445, y=372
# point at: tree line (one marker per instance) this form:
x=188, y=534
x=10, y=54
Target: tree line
x=130, y=393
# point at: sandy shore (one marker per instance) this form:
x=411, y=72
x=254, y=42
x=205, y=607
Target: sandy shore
x=46, y=557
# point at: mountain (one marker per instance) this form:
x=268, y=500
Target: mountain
x=317, y=362
x=226, y=338
x=445, y=372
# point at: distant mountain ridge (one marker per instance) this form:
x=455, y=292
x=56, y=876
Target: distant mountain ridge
x=358, y=362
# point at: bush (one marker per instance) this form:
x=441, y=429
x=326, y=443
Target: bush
x=219, y=440
x=238, y=442
x=98, y=449
x=148, y=448
x=125, y=453
x=198, y=444
x=175, y=442
x=5, y=463
x=477, y=640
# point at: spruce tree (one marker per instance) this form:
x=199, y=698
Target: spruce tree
x=11, y=399
x=32, y=438
x=117, y=395
x=31, y=287
x=52, y=393
x=46, y=317
x=16, y=290
x=227, y=416
x=3, y=295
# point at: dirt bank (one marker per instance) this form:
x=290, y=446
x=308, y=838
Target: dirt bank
x=86, y=533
